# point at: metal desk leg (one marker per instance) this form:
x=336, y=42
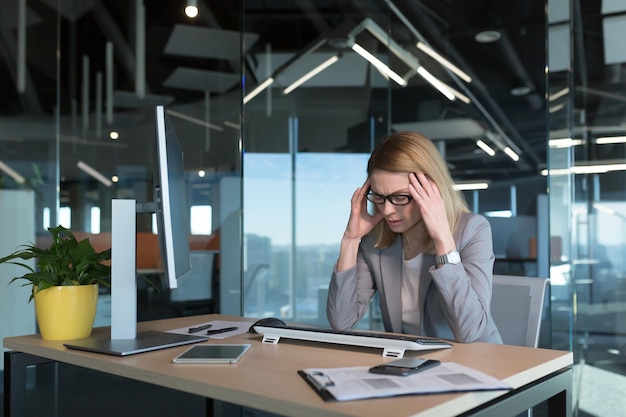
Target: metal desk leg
x=555, y=389
x=561, y=403
x=15, y=365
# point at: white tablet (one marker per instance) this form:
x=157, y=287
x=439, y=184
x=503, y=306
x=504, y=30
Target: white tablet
x=213, y=353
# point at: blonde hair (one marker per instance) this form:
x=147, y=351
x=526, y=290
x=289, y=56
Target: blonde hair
x=406, y=152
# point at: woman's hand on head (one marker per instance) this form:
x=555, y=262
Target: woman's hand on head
x=360, y=222
x=428, y=198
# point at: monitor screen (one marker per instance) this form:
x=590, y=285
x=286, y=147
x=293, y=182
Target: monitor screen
x=170, y=197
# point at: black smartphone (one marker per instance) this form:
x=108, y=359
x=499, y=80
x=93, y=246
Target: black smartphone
x=404, y=366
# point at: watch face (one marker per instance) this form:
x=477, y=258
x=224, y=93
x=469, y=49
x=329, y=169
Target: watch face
x=454, y=257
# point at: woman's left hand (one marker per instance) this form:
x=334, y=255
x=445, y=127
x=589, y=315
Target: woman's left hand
x=428, y=198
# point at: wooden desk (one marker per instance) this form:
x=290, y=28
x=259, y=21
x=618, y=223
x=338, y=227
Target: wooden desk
x=266, y=378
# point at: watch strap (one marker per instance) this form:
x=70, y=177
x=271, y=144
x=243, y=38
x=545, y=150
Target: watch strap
x=451, y=257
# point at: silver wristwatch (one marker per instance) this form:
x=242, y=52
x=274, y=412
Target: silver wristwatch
x=451, y=257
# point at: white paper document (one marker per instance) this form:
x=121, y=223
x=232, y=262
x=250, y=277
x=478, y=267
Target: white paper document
x=353, y=383
x=238, y=327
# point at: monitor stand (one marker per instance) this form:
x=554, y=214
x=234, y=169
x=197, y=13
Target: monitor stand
x=124, y=338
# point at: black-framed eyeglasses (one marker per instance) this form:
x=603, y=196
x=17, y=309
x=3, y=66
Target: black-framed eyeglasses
x=395, y=199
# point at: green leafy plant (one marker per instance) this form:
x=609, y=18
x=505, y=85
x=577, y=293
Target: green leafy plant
x=66, y=262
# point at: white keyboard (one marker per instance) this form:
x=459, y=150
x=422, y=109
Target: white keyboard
x=393, y=345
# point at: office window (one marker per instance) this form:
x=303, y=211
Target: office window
x=201, y=218
x=95, y=220
x=294, y=219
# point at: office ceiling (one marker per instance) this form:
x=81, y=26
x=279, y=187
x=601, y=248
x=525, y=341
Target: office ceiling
x=507, y=91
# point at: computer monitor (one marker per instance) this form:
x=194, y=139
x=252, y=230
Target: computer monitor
x=170, y=198
x=171, y=208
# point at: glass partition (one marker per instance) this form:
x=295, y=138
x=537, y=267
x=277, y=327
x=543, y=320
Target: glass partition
x=586, y=176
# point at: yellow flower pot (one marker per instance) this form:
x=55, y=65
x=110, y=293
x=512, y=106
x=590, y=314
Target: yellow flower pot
x=66, y=312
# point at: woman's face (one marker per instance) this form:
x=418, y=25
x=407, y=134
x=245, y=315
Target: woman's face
x=399, y=218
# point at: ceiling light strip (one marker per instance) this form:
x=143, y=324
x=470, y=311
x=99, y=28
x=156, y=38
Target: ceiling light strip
x=511, y=154
x=436, y=83
x=486, y=148
x=258, y=90
x=231, y=124
x=321, y=67
x=378, y=64
x=565, y=143
x=471, y=186
x=585, y=169
x=443, y=61
x=465, y=99
x=93, y=173
x=610, y=140
x=558, y=94
x=12, y=173
x=194, y=120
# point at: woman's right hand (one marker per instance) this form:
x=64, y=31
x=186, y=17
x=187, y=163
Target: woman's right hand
x=360, y=222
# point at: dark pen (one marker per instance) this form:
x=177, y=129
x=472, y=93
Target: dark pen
x=199, y=328
x=224, y=330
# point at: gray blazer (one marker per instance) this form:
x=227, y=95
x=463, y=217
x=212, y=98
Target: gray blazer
x=455, y=298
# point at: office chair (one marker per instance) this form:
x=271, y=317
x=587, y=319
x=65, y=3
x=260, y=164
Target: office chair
x=516, y=307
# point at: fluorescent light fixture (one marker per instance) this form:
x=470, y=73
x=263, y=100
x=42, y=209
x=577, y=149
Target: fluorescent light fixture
x=191, y=10
x=93, y=173
x=511, y=154
x=465, y=99
x=321, y=67
x=499, y=213
x=444, y=88
x=611, y=139
x=554, y=109
x=436, y=83
x=231, y=124
x=12, y=173
x=443, y=61
x=194, y=120
x=258, y=90
x=471, y=186
x=378, y=64
x=585, y=169
x=558, y=94
x=488, y=150
x=565, y=143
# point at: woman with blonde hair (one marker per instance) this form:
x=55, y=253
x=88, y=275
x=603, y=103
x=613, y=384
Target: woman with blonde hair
x=430, y=259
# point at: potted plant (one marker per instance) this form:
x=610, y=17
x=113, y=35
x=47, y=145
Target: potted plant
x=64, y=282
